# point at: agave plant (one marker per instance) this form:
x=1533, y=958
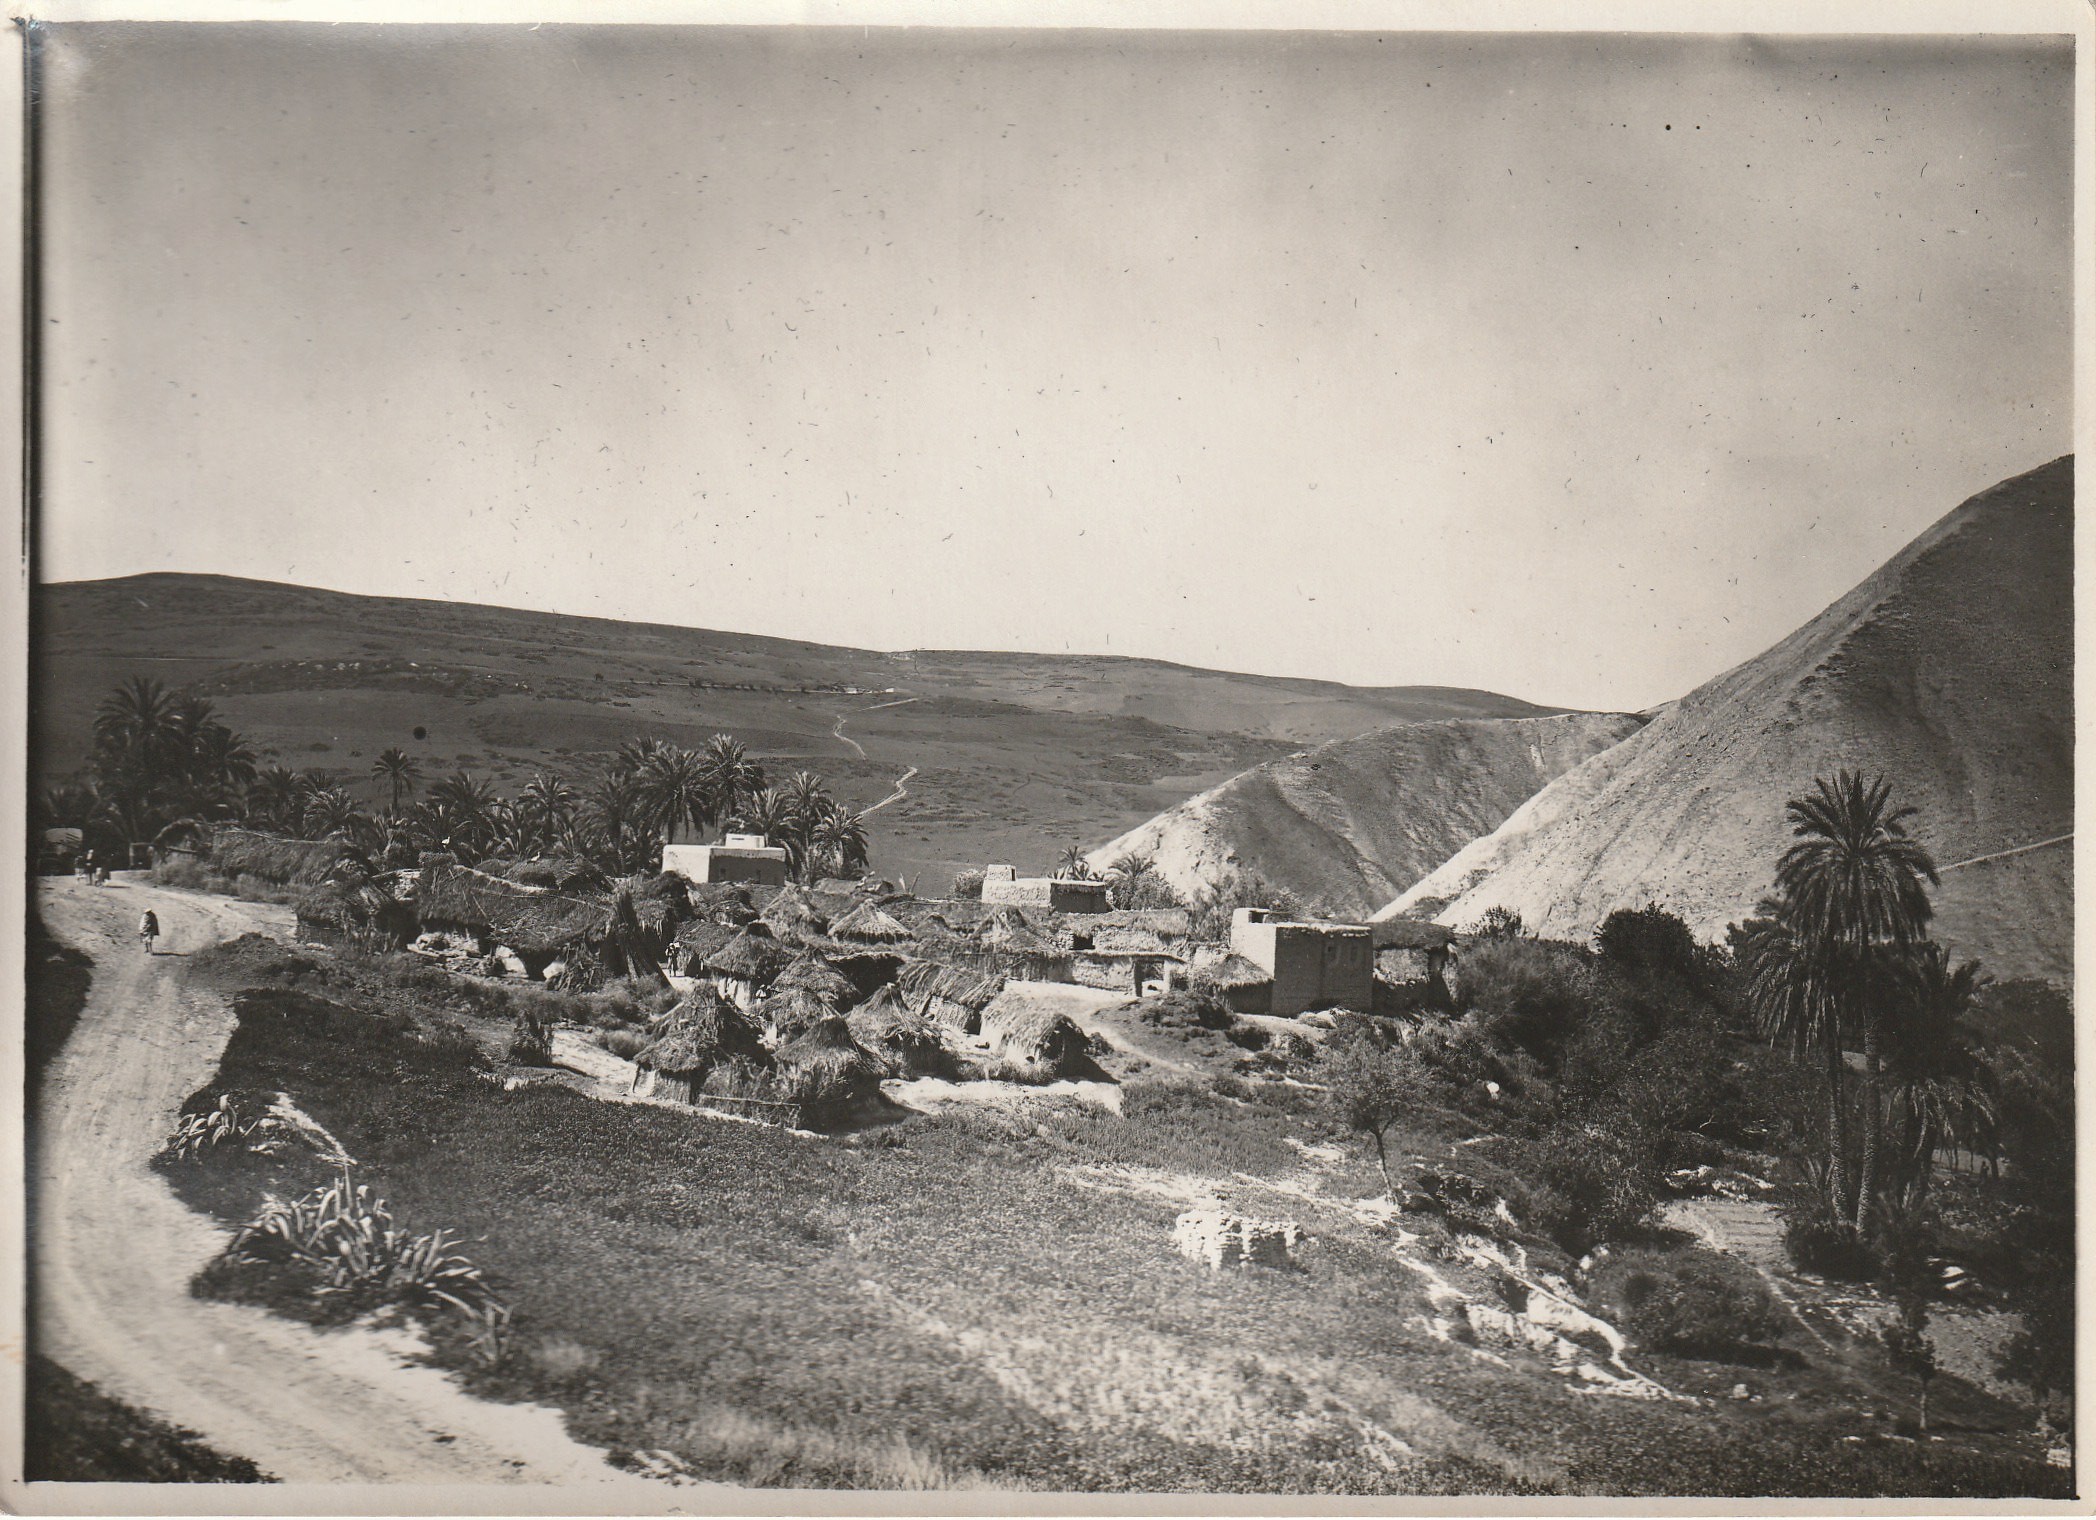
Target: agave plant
x=347, y=1238
x=198, y=1134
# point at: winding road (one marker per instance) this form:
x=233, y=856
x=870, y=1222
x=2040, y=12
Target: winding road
x=113, y=1250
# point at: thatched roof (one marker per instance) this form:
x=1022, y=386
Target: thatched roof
x=1410, y=934
x=753, y=955
x=870, y=924
x=557, y=871
x=272, y=857
x=792, y=914
x=923, y=980
x=828, y=1044
x=1130, y=941
x=530, y=919
x=1231, y=970
x=1032, y=1027
x=701, y=1032
x=811, y=973
x=334, y=906
x=699, y=939
x=789, y=1012
x=1166, y=923
x=725, y=901
x=1006, y=929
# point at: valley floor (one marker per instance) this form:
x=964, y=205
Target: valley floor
x=975, y=1296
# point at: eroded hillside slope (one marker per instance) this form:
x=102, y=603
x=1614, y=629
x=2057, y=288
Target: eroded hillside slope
x=1950, y=671
x=1348, y=823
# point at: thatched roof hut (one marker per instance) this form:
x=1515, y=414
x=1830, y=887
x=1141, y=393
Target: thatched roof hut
x=809, y=972
x=697, y=940
x=1032, y=1030
x=954, y=995
x=786, y=1013
x=236, y=851
x=1245, y=985
x=536, y=921
x=746, y=963
x=870, y=924
x=1006, y=928
x=366, y=917
x=699, y=1034
x=914, y=1043
x=793, y=915
x=726, y=902
x=562, y=872
x=829, y=1046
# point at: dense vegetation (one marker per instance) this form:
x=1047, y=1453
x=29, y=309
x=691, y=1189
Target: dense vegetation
x=974, y=1297
x=162, y=760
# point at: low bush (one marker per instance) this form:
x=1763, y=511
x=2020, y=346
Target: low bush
x=623, y=1043
x=1600, y=1181
x=1686, y=1302
x=531, y=1039
x=1818, y=1242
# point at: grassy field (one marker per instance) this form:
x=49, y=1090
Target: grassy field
x=1018, y=755
x=976, y=1297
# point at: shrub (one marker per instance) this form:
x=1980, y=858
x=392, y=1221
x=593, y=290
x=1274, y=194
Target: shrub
x=1818, y=1242
x=531, y=1039
x=1608, y=1174
x=967, y=886
x=1528, y=993
x=1686, y=1302
x=624, y=1043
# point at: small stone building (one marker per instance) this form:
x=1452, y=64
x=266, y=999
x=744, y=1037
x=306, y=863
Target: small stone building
x=1313, y=964
x=1002, y=885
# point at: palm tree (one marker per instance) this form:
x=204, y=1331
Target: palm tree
x=274, y=798
x=465, y=805
x=397, y=769
x=1853, y=884
x=838, y=840
x=677, y=792
x=1073, y=866
x=137, y=719
x=546, y=806
x=1938, y=1086
x=333, y=814
x=1786, y=987
x=612, y=820
x=730, y=773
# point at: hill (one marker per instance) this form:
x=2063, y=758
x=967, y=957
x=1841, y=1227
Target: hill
x=1950, y=671
x=1014, y=755
x=1349, y=823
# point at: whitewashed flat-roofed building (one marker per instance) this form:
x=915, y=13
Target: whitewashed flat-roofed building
x=738, y=857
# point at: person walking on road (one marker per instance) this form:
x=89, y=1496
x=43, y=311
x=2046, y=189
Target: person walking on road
x=149, y=930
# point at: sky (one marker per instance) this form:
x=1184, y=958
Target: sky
x=1576, y=367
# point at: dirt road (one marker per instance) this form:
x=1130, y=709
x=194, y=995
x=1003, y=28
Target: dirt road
x=113, y=1250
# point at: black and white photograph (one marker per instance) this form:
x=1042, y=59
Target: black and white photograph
x=1068, y=757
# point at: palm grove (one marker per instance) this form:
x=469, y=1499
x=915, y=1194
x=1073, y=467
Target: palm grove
x=163, y=760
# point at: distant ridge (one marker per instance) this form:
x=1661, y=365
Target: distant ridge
x=1347, y=824
x=1014, y=756
x=1950, y=671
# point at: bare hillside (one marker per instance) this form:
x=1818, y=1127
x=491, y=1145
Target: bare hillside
x=1950, y=671
x=1008, y=756
x=1348, y=823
